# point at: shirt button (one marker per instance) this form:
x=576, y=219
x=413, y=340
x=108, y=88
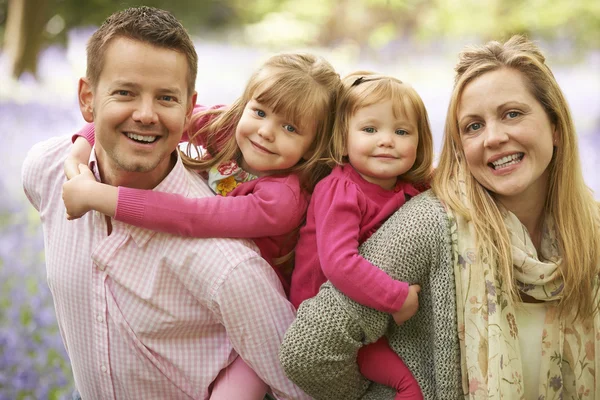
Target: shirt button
x=99, y=318
x=103, y=368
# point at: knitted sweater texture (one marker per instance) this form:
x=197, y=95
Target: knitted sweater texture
x=319, y=350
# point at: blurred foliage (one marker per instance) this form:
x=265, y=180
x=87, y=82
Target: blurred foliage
x=62, y=15
x=33, y=360
x=577, y=21
x=367, y=22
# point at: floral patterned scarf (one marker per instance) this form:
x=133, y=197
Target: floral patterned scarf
x=488, y=332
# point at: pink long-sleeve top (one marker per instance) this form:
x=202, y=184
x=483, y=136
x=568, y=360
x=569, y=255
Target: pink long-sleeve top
x=344, y=211
x=268, y=210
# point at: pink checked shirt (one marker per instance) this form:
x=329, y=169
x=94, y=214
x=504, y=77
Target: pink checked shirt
x=146, y=315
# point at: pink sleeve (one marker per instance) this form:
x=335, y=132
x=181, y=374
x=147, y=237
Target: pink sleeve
x=198, y=123
x=337, y=220
x=272, y=209
x=88, y=130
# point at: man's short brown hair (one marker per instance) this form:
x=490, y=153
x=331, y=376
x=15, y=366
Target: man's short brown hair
x=145, y=24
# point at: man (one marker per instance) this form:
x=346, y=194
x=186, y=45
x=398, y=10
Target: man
x=148, y=315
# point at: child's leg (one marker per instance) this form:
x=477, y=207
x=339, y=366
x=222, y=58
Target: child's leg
x=378, y=363
x=238, y=381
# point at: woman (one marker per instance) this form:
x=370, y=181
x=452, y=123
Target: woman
x=506, y=248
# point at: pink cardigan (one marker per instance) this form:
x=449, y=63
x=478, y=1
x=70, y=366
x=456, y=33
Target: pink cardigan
x=268, y=210
x=344, y=211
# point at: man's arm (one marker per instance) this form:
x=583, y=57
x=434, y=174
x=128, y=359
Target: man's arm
x=37, y=171
x=256, y=315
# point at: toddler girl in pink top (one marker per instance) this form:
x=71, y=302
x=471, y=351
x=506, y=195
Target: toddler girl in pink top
x=383, y=146
x=261, y=155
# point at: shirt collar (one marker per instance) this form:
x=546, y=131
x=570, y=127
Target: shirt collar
x=92, y=164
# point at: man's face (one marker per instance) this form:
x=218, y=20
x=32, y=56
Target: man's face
x=140, y=106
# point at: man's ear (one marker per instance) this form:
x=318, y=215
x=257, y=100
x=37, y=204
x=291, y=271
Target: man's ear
x=86, y=100
x=190, y=109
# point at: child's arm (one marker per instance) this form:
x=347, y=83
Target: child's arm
x=273, y=208
x=83, y=193
x=79, y=154
x=338, y=218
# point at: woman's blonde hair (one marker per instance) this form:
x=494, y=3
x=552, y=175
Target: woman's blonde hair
x=302, y=88
x=569, y=200
x=364, y=88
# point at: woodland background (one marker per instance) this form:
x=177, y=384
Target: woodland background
x=42, y=55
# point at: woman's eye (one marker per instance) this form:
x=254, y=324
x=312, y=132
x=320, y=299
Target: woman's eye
x=167, y=98
x=260, y=113
x=122, y=92
x=401, y=132
x=369, y=129
x=474, y=127
x=289, y=128
x=513, y=114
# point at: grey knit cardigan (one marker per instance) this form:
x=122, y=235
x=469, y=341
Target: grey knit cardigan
x=319, y=350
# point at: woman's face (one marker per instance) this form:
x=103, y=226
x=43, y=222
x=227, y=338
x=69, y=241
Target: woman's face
x=506, y=135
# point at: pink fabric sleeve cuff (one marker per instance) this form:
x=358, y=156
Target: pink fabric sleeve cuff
x=87, y=132
x=131, y=205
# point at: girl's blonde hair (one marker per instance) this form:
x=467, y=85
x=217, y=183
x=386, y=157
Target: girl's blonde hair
x=364, y=88
x=569, y=200
x=302, y=88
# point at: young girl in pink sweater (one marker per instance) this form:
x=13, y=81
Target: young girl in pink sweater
x=383, y=146
x=261, y=155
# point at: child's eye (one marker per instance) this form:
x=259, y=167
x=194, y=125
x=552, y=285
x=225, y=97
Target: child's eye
x=369, y=129
x=260, y=113
x=401, y=132
x=289, y=128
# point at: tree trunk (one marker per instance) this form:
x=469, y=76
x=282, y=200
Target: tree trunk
x=25, y=24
